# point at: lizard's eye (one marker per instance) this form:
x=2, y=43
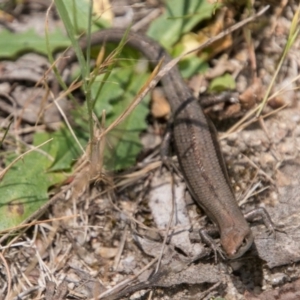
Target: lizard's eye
x=246, y=244
x=245, y=241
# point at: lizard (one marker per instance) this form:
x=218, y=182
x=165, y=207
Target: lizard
x=196, y=146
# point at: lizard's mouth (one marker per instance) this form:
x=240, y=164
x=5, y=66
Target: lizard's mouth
x=235, y=246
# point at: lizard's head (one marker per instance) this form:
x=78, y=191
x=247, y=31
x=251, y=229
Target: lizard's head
x=235, y=243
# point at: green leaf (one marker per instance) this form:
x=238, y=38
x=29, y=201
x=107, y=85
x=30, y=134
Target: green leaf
x=191, y=65
x=123, y=143
x=63, y=148
x=222, y=83
x=12, y=44
x=24, y=188
x=179, y=19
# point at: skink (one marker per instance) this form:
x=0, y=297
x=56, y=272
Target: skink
x=196, y=145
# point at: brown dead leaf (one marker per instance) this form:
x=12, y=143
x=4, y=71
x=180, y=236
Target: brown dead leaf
x=251, y=95
x=107, y=252
x=228, y=112
x=6, y=17
x=222, y=66
x=160, y=107
x=212, y=30
x=103, y=9
x=276, y=102
x=232, y=110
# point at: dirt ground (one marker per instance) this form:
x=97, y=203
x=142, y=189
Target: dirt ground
x=107, y=239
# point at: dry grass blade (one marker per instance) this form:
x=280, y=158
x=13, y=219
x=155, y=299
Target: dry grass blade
x=97, y=149
x=27, y=225
x=92, y=167
x=7, y=273
x=37, y=259
x=247, y=120
x=74, y=87
x=5, y=134
x=294, y=31
x=132, y=177
x=121, y=285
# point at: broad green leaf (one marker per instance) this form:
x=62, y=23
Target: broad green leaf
x=63, y=148
x=169, y=26
x=123, y=143
x=12, y=44
x=24, y=189
x=179, y=18
x=22, y=195
x=222, y=83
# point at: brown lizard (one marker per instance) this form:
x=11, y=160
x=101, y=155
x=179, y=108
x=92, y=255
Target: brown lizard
x=196, y=146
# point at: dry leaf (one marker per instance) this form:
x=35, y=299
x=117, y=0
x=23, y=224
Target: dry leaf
x=189, y=42
x=103, y=9
x=107, y=252
x=212, y=30
x=251, y=95
x=160, y=107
